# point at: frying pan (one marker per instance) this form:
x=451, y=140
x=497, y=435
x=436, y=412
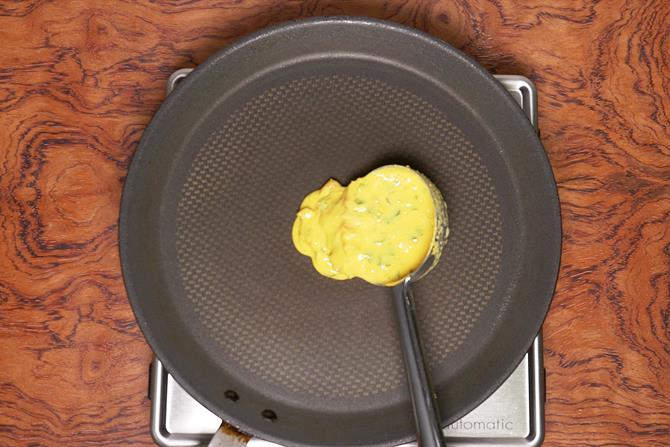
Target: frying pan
x=242, y=321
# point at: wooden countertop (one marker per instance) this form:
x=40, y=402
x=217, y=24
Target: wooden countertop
x=80, y=80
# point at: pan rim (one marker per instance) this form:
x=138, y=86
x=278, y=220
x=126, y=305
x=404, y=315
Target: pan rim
x=156, y=345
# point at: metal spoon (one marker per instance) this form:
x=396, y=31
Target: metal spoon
x=426, y=415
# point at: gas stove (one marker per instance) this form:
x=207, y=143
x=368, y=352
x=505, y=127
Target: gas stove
x=512, y=416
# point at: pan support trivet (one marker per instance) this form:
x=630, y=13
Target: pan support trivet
x=512, y=416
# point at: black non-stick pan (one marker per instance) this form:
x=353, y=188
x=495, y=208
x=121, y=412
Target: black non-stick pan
x=243, y=321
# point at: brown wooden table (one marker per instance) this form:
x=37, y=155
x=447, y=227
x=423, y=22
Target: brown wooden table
x=79, y=80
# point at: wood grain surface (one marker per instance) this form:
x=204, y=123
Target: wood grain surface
x=79, y=81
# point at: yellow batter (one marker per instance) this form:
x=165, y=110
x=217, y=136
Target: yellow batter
x=379, y=228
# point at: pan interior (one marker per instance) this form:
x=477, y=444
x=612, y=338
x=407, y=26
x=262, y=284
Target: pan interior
x=259, y=306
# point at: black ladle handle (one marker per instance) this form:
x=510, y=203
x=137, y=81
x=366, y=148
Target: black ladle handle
x=426, y=416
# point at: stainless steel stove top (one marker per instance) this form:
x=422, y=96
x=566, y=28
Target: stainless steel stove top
x=512, y=416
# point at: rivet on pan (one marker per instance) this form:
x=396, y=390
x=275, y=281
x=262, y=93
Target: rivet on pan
x=231, y=395
x=269, y=415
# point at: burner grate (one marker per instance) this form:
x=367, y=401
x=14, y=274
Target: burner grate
x=513, y=415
